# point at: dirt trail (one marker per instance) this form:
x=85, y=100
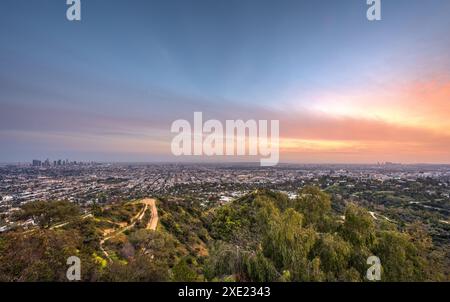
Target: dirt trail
x=152, y=224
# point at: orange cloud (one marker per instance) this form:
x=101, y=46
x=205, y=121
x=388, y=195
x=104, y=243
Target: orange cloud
x=407, y=122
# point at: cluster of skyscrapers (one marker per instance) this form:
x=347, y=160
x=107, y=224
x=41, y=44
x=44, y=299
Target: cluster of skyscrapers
x=47, y=163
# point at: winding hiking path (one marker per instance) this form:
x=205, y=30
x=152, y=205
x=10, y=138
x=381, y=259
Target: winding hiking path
x=152, y=224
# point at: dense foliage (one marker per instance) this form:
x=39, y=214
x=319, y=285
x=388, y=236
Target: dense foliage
x=263, y=236
x=303, y=240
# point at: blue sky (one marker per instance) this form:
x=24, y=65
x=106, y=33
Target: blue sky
x=129, y=68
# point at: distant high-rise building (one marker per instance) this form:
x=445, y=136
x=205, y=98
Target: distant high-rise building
x=36, y=163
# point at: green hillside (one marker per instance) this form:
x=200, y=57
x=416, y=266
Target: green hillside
x=263, y=236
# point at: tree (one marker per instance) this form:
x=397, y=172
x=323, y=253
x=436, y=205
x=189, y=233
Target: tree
x=88, y=230
x=397, y=255
x=46, y=213
x=41, y=256
x=359, y=227
x=287, y=244
x=96, y=209
x=258, y=268
x=314, y=204
x=181, y=272
x=224, y=260
x=142, y=268
x=334, y=254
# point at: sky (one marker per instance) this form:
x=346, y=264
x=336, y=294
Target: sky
x=108, y=88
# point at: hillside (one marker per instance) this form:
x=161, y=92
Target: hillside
x=263, y=236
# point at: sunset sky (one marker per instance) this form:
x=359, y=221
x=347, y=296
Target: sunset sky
x=108, y=88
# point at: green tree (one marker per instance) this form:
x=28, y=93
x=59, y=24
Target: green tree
x=260, y=269
x=397, y=255
x=314, y=204
x=47, y=213
x=42, y=256
x=226, y=222
x=334, y=254
x=224, y=260
x=181, y=272
x=359, y=227
x=288, y=244
x=142, y=268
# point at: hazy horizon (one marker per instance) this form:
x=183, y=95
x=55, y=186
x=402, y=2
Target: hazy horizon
x=229, y=162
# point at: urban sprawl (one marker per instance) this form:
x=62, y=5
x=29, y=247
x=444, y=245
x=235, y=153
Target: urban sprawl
x=389, y=189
